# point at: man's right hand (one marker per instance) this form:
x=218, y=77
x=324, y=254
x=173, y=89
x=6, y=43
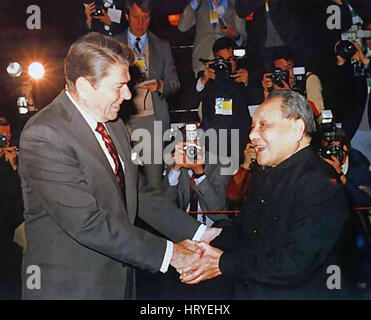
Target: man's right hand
x=209, y=73
x=249, y=153
x=185, y=253
x=89, y=10
x=11, y=155
x=182, y=161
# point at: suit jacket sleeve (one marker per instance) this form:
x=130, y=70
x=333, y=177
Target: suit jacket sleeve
x=245, y=7
x=211, y=191
x=50, y=169
x=163, y=215
x=170, y=77
x=318, y=217
x=188, y=19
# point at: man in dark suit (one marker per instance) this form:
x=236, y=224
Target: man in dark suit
x=284, y=241
x=154, y=63
x=81, y=192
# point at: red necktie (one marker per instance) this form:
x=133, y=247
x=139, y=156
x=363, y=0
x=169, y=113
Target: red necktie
x=193, y=199
x=101, y=129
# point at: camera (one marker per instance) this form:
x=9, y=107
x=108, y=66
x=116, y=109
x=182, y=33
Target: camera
x=328, y=131
x=346, y=49
x=101, y=5
x=300, y=83
x=191, y=148
x=222, y=67
x=3, y=140
x=278, y=75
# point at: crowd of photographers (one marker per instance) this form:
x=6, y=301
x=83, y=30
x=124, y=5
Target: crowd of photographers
x=229, y=84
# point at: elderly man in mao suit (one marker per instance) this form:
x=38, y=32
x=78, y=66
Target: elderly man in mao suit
x=154, y=62
x=80, y=188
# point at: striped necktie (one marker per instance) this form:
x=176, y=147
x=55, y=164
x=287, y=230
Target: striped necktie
x=137, y=45
x=119, y=172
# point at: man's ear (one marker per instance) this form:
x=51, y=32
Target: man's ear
x=83, y=88
x=127, y=16
x=299, y=129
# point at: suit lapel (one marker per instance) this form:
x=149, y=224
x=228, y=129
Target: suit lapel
x=83, y=133
x=121, y=139
x=153, y=56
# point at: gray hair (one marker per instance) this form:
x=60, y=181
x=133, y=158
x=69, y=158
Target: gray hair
x=92, y=55
x=295, y=106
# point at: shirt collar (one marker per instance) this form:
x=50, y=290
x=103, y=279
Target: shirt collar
x=132, y=39
x=88, y=118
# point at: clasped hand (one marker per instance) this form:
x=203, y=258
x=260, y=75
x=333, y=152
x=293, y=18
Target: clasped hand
x=205, y=267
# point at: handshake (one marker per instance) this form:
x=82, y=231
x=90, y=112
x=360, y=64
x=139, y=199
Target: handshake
x=197, y=261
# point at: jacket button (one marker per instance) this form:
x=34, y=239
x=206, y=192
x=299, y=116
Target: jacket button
x=255, y=231
x=275, y=218
x=263, y=202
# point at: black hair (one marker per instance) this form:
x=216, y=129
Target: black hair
x=223, y=43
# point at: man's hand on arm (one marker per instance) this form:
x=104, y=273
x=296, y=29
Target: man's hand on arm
x=207, y=267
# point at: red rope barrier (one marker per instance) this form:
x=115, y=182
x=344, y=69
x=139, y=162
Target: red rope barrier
x=237, y=211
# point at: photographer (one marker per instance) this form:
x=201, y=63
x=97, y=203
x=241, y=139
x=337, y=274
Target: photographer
x=283, y=78
x=212, y=19
x=11, y=215
x=350, y=165
x=351, y=71
x=106, y=16
x=223, y=92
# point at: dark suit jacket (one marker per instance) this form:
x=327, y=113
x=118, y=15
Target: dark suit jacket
x=78, y=230
x=286, y=234
x=358, y=175
x=161, y=67
x=300, y=24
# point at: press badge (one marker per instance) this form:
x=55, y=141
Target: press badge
x=213, y=16
x=223, y=106
x=140, y=62
x=115, y=14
